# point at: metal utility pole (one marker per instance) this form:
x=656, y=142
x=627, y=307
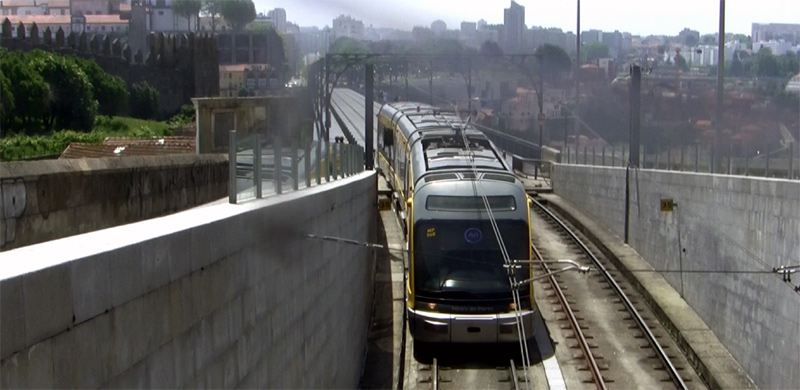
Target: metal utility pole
x=577, y=67
x=720, y=78
x=566, y=124
x=369, y=119
x=406, y=92
x=327, y=97
x=540, y=100
x=635, y=94
x=469, y=87
x=430, y=80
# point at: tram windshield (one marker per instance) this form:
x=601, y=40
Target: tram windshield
x=461, y=259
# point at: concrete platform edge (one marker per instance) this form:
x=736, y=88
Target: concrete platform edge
x=710, y=358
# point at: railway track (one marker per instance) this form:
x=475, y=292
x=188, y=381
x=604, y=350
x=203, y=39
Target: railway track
x=438, y=377
x=351, y=108
x=602, y=317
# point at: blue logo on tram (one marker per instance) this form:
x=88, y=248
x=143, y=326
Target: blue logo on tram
x=473, y=235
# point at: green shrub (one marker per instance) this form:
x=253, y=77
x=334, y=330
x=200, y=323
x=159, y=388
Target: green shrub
x=31, y=94
x=6, y=99
x=23, y=147
x=73, y=105
x=144, y=101
x=110, y=91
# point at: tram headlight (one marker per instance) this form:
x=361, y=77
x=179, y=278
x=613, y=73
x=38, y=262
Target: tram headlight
x=431, y=306
x=512, y=306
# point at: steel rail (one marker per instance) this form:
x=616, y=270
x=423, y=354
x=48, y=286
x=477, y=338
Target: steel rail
x=662, y=355
x=513, y=373
x=597, y=376
x=435, y=374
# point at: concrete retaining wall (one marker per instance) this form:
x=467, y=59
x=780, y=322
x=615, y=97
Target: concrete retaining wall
x=49, y=199
x=726, y=223
x=217, y=296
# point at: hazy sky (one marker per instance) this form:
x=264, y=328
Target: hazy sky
x=636, y=16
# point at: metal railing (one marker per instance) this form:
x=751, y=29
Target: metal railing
x=533, y=168
x=783, y=163
x=258, y=168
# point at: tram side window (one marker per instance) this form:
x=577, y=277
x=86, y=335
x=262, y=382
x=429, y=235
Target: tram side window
x=400, y=162
x=387, y=139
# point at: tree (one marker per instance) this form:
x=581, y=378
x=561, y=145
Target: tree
x=744, y=39
x=594, y=51
x=789, y=64
x=491, y=49
x=709, y=39
x=691, y=40
x=680, y=62
x=346, y=45
x=144, y=100
x=6, y=100
x=555, y=61
x=31, y=94
x=212, y=9
x=188, y=8
x=110, y=91
x=766, y=64
x=73, y=104
x=238, y=13
x=737, y=67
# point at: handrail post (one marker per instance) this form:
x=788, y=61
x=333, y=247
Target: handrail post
x=307, y=164
x=277, y=165
x=328, y=162
x=604, y=155
x=257, y=175
x=319, y=161
x=669, y=157
x=295, y=173
x=232, y=167
x=350, y=163
x=339, y=168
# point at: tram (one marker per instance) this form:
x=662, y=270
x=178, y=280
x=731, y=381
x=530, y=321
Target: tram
x=466, y=219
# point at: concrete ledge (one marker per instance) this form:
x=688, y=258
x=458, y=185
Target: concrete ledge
x=49, y=199
x=709, y=356
x=215, y=296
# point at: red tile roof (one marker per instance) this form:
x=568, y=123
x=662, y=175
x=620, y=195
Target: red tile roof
x=104, y=19
x=62, y=19
x=38, y=19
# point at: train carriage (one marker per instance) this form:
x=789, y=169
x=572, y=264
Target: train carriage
x=459, y=202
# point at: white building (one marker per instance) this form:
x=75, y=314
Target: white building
x=778, y=48
x=162, y=18
x=701, y=55
x=438, y=27
x=34, y=7
x=278, y=18
x=346, y=26
x=793, y=86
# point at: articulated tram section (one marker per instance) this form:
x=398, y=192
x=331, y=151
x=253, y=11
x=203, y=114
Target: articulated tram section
x=465, y=300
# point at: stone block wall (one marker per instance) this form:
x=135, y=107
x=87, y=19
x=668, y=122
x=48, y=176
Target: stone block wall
x=726, y=224
x=219, y=296
x=49, y=199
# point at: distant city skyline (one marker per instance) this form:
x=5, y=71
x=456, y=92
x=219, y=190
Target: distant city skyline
x=635, y=16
